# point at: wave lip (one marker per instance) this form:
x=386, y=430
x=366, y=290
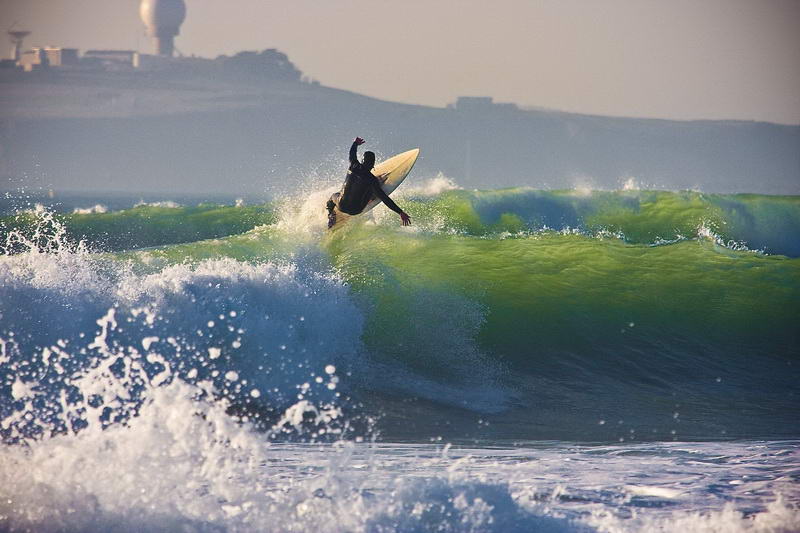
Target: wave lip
x=769, y=224
x=145, y=225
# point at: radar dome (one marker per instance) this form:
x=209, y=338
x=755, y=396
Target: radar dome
x=163, y=19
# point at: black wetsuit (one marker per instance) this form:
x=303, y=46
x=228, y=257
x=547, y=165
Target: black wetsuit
x=360, y=187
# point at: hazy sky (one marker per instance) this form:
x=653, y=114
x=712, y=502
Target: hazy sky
x=681, y=59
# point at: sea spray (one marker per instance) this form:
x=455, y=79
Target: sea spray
x=136, y=421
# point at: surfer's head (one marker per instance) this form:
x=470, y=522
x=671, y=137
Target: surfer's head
x=369, y=159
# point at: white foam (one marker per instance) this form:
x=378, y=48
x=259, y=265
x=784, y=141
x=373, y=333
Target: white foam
x=305, y=213
x=658, y=492
x=707, y=233
x=214, y=473
x=583, y=185
x=779, y=516
x=631, y=184
x=164, y=203
x=427, y=187
x=97, y=208
x=21, y=390
x=280, y=330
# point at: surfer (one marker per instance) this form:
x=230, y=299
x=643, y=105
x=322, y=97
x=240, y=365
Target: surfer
x=360, y=186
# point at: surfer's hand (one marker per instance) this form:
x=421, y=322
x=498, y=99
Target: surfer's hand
x=359, y=141
x=406, y=219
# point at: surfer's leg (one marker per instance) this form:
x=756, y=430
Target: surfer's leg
x=334, y=200
x=331, y=206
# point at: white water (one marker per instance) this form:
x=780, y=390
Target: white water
x=164, y=203
x=95, y=209
x=184, y=465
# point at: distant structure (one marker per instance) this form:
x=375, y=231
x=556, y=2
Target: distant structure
x=33, y=59
x=473, y=102
x=58, y=56
x=163, y=19
x=112, y=59
x=480, y=103
x=49, y=56
x=17, y=36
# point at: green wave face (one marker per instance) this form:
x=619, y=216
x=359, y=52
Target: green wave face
x=768, y=223
x=145, y=226
x=572, y=293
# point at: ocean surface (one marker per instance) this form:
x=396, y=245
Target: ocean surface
x=516, y=360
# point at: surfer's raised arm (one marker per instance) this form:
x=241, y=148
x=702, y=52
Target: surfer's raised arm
x=354, y=150
x=376, y=187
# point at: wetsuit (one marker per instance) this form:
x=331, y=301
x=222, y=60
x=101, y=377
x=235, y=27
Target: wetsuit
x=360, y=187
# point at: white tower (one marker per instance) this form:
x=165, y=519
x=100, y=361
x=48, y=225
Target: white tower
x=163, y=19
x=17, y=36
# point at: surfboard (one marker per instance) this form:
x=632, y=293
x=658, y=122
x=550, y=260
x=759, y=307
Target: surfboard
x=391, y=174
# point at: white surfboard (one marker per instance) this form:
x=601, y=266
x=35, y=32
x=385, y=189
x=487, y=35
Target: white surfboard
x=391, y=174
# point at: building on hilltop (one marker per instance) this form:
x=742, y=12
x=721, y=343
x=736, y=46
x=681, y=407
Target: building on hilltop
x=480, y=103
x=111, y=58
x=33, y=59
x=49, y=56
x=464, y=103
x=60, y=57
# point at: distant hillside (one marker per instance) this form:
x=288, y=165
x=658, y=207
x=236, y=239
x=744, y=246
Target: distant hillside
x=139, y=131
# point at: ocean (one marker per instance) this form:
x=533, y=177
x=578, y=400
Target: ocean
x=516, y=360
